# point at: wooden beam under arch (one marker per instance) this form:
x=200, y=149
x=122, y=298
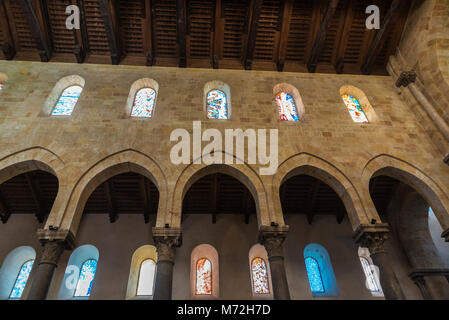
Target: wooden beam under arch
x=255, y=13
x=109, y=9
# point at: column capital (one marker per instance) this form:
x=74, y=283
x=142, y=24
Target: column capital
x=405, y=78
x=372, y=236
x=166, y=240
x=272, y=238
x=63, y=236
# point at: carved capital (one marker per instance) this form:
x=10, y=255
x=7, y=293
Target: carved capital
x=52, y=252
x=372, y=237
x=405, y=78
x=272, y=238
x=54, y=243
x=166, y=240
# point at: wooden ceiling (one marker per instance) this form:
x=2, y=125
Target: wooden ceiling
x=285, y=35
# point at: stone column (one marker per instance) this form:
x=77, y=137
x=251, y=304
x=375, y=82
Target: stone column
x=373, y=238
x=272, y=238
x=166, y=241
x=54, y=243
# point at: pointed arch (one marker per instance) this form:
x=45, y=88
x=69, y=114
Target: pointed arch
x=117, y=163
x=428, y=187
x=323, y=170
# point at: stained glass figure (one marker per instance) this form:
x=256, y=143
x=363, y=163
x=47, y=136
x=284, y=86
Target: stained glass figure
x=1, y=86
x=217, y=107
x=143, y=106
x=260, y=276
x=314, y=275
x=67, y=101
x=86, y=278
x=146, y=278
x=203, y=277
x=21, y=280
x=355, y=109
x=371, y=280
x=286, y=107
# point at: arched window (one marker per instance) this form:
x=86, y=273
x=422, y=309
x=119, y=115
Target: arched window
x=320, y=272
x=260, y=276
x=286, y=107
x=203, y=284
x=144, y=103
x=3, y=79
x=146, y=278
x=1, y=86
x=354, y=109
x=372, y=282
x=217, y=105
x=314, y=275
x=86, y=278
x=21, y=280
x=67, y=101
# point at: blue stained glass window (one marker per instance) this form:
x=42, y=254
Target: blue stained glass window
x=217, y=106
x=86, y=278
x=314, y=274
x=286, y=107
x=144, y=103
x=67, y=101
x=354, y=109
x=21, y=280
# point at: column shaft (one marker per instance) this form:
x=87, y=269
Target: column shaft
x=388, y=280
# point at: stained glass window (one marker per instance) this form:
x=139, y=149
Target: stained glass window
x=87, y=274
x=355, y=109
x=21, y=280
x=203, y=277
x=143, y=106
x=314, y=274
x=217, y=106
x=371, y=280
x=146, y=278
x=67, y=101
x=1, y=86
x=286, y=107
x=260, y=276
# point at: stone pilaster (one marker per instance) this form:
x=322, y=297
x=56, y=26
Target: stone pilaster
x=373, y=238
x=272, y=238
x=166, y=240
x=54, y=243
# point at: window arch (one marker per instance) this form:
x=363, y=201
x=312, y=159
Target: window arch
x=357, y=104
x=142, y=273
x=217, y=106
x=288, y=102
x=15, y=272
x=260, y=272
x=204, y=272
x=142, y=99
x=217, y=95
x=203, y=280
x=320, y=272
x=86, y=278
x=80, y=273
x=144, y=103
x=372, y=278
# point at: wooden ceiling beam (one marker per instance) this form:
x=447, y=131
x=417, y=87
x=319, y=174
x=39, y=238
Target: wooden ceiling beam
x=250, y=48
x=182, y=32
x=36, y=193
x=148, y=33
x=109, y=192
x=321, y=36
x=109, y=12
x=81, y=36
x=5, y=212
x=344, y=37
x=283, y=39
x=379, y=40
x=217, y=34
x=8, y=47
x=37, y=27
